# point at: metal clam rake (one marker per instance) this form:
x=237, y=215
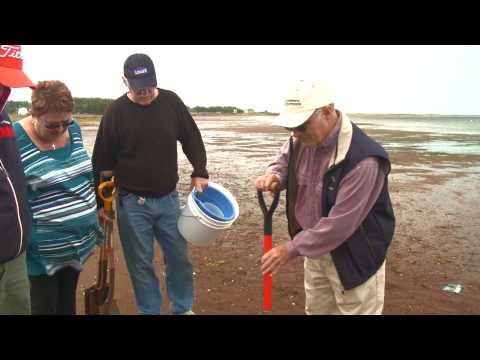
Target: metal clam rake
x=99, y=297
x=267, y=244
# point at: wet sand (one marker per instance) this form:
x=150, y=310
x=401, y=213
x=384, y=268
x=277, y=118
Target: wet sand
x=435, y=197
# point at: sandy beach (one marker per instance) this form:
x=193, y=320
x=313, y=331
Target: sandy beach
x=435, y=195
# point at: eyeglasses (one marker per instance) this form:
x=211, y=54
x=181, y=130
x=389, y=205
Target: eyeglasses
x=144, y=91
x=303, y=127
x=300, y=128
x=64, y=124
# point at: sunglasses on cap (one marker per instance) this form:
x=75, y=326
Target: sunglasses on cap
x=63, y=124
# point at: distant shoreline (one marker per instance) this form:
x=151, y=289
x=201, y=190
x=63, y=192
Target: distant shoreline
x=411, y=114
x=15, y=117
x=231, y=114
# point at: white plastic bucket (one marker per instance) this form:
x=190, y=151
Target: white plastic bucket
x=195, y=224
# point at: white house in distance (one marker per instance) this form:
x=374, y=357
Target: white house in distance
x=22, y=111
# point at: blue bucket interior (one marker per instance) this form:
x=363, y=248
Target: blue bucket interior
x=214, y=204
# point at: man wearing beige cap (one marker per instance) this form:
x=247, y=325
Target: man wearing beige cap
x=340, y=216
x=15, y=218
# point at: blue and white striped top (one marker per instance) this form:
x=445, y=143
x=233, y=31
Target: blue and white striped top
x=61, y=195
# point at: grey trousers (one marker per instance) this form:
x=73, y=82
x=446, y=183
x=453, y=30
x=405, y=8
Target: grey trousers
x=14, y=287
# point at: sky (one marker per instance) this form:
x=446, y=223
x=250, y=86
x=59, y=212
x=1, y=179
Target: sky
x=421, y=79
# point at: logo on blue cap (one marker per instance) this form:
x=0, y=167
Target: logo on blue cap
x=140, y=70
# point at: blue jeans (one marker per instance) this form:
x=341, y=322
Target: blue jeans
x=138, y=224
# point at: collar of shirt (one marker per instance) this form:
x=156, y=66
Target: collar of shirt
x=330, y=141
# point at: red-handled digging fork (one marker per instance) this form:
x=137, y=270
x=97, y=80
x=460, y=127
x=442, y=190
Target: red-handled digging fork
x=267, y=245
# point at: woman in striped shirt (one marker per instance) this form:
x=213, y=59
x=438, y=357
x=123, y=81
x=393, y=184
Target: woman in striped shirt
x=61, y=196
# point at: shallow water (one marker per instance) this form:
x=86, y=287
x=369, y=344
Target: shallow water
x=441, y=124
x=438, y=134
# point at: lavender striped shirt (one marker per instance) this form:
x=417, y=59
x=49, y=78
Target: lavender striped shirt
x=358, y=192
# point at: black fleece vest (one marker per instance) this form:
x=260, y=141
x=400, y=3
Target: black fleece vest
x=363, y=253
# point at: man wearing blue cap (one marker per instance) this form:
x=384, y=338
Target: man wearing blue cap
x=137, y=139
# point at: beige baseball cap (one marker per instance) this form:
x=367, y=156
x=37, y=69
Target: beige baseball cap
x=300, y=103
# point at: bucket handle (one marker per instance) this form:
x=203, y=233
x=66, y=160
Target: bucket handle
x=190, y=216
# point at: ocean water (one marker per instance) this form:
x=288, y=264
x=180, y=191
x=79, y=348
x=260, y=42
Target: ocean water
x=440, y=124
x=446, y=134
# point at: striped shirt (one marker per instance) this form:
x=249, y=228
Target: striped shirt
x=61, y=196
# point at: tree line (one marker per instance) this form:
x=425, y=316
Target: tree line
x=82, y=105
x=98, y=106
x=216, y=109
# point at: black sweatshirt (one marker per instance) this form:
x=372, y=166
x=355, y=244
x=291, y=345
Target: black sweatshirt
x=139, y=143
